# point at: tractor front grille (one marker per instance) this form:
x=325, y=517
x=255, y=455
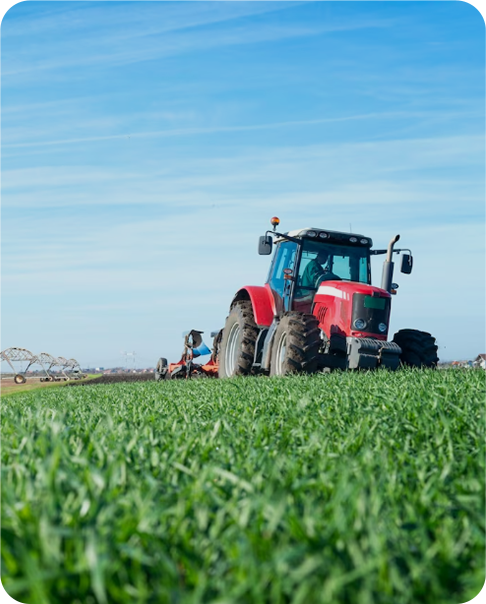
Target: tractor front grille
x=372, y=309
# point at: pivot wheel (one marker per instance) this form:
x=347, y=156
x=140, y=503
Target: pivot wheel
x=161, y=369
x=19, y=379
x=240, y=334
x=296, y=345
x=418, y=348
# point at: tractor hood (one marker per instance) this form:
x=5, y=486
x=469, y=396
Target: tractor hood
x=352, y=309
x=346, y=289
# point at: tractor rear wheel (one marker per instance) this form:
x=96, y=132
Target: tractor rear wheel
x=19, y=379
x=296, y=344
x=237, y=350
x=418, y=348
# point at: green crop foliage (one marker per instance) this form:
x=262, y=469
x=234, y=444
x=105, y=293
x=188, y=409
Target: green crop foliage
x=359, y=488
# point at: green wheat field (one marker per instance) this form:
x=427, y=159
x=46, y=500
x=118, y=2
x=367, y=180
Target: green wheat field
x=359, y=488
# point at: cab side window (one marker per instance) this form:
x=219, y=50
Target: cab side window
x=285, y=256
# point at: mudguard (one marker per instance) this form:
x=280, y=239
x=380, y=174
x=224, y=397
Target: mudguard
x=262, y=301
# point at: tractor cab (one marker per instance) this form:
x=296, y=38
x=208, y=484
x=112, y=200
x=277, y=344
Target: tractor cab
x=306, y=258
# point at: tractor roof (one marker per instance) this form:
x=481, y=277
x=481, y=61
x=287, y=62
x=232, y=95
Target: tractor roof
x=332, y=236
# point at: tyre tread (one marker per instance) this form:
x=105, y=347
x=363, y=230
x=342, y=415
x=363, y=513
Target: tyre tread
x=243, y=310
x=419, y=348
x=303, y=343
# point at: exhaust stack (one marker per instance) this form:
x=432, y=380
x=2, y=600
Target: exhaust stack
x=387, y=275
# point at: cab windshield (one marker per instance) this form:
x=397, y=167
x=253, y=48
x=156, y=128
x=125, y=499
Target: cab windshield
x=327, y=261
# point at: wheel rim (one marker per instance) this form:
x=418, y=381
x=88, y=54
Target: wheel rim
x=281, y=354
x=232, y=350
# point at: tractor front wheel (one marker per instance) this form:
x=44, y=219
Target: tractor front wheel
x=237, y=350
x=418, y=348
x=296, y=344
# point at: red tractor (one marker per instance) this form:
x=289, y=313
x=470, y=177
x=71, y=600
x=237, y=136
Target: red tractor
x=318, y=310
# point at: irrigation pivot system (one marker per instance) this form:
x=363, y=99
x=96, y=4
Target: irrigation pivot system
x=44, y=359
x=72, y=366
x=317, y=311
x=20, y=355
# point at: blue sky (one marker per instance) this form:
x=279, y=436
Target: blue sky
x=145, y=146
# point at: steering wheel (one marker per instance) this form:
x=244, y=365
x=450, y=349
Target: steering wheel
x=326, y=277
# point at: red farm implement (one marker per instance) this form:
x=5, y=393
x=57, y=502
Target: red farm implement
x=186, y=368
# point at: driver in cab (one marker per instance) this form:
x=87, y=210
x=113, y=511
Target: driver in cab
x=317, y=270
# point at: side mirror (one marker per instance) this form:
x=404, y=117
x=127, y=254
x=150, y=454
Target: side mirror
x=265, y=245
x=407, y=264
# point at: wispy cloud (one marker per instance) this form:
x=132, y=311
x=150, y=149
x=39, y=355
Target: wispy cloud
x=219, y=179
x=181, y=35
x=124, y=22
x=229, y=129
x=188, y=131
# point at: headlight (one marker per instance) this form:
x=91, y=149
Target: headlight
x=311, y=234
x=363, y=241
x=382, y=327
x=353, y=239
x=323, y=235
x=359, y=324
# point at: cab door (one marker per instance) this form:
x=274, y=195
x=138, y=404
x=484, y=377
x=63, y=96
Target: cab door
x=285, y=257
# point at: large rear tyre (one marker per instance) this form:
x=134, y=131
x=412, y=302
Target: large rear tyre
x=296, y=345
x=237, y=350
x=20, y=379
x=418, y=348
